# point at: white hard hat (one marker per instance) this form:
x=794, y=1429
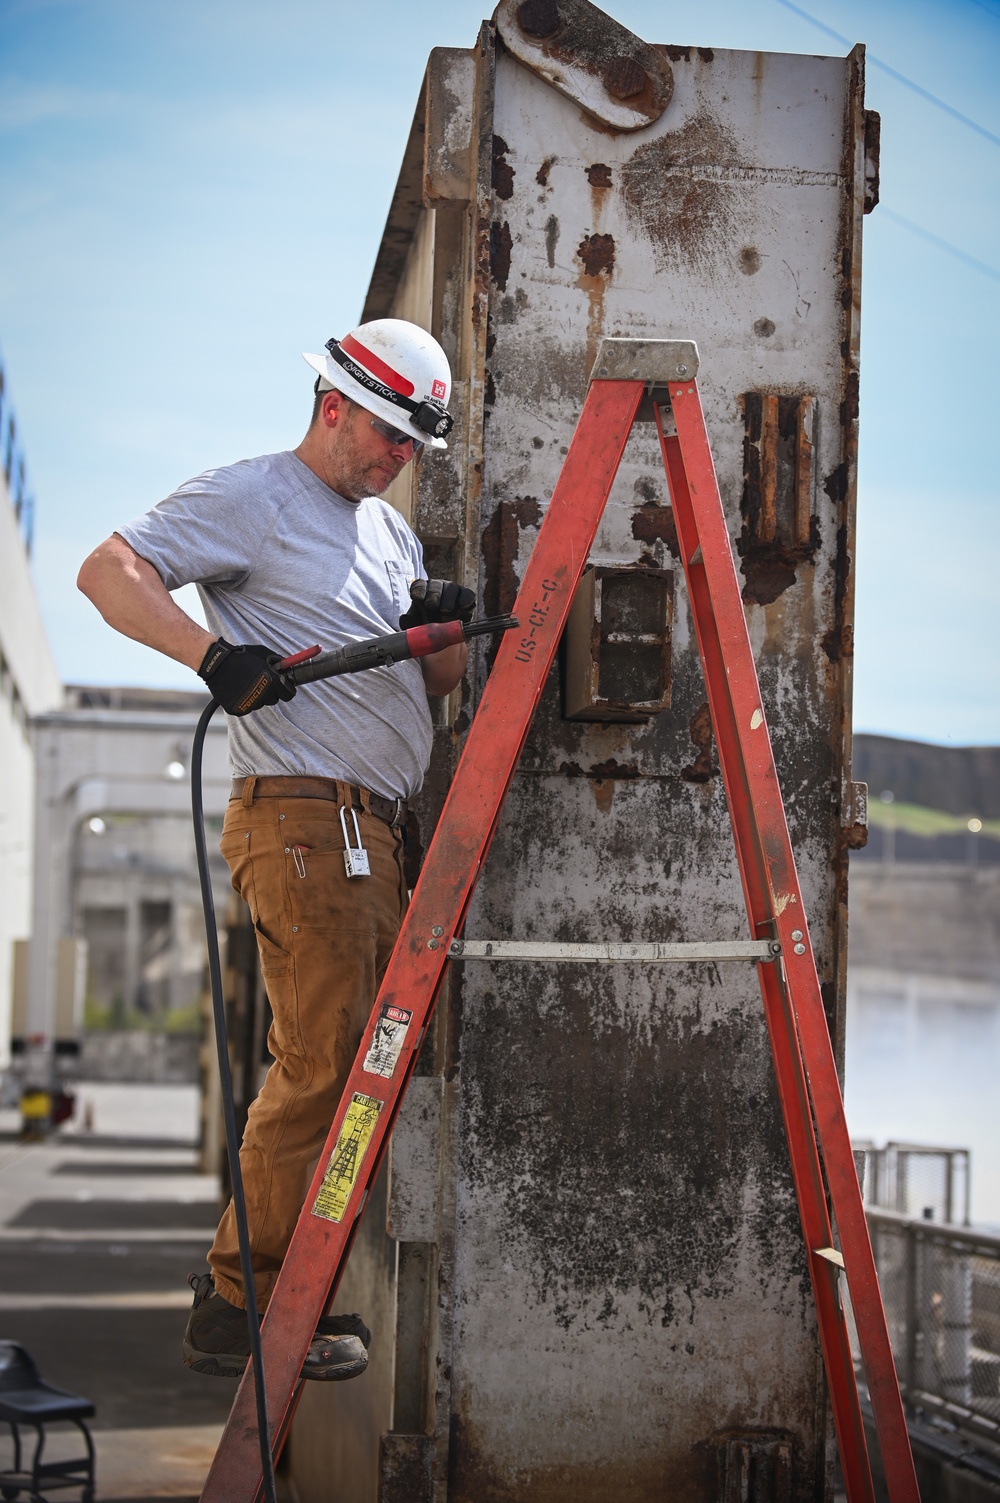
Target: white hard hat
x=397, y=371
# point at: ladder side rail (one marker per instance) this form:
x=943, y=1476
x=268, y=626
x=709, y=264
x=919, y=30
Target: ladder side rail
x=694, y=533
x=753, y=873
x=319, y=1245
x=801, y=978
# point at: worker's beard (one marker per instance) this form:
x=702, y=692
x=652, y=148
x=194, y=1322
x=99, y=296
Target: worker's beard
x=358, y=475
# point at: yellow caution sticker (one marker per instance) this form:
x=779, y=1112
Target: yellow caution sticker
x=345, y=1164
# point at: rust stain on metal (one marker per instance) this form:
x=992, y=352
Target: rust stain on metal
x=602, y=777
x=597, y=252
x=503, y=172
x=501, y=542
x=749, y=260
x=873, y=143
x=779, y=530
x=654, y=523
x=835, y=483
x=700, y=215
x=542, y=175
x=599, y=175
x=703, y=768
x=838, y=642
x=551, y=239
x=766, y=579
x=501, y=245
x=611, y=768
x=851, y=405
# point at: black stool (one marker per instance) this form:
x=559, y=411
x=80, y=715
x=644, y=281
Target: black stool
x=25, y=1399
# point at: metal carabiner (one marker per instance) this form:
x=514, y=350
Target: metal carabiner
x=355, y=857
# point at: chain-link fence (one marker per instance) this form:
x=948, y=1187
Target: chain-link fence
x=941, y=1291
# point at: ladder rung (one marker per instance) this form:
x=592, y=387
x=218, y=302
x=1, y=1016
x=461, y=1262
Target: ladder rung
x=754, y=950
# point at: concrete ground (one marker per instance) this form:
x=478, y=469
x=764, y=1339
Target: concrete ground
x=98, y=1231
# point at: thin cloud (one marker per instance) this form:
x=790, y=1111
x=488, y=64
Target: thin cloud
x=24, y=104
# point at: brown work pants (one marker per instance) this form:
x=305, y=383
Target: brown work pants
x=324, y=941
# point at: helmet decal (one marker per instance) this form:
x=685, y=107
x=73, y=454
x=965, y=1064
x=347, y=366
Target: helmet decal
x=377, y=367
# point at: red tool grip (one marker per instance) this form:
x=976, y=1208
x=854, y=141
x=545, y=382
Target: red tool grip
x=422, y=640
x=299, y=657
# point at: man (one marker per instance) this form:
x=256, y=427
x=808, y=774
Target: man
x=287, y=550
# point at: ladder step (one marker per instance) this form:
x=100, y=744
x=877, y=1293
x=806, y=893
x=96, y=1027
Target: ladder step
x=753, y=950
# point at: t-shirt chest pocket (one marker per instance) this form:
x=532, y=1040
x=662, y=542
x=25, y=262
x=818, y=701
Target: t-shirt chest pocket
x=400, y=576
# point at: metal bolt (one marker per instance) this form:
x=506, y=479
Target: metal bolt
x=682, y=370
x=437, y=930
x=796, y=933
x=288, y=850
x=295, y=928
x=281, y=816
x=432, y=944
x=539, y=18
x=603, y=371
x=800, y=949
x=624, y=77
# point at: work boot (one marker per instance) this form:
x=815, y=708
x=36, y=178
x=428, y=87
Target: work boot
x=217, y=1339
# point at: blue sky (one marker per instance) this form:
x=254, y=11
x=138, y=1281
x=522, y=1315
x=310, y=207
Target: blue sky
x=193, y=193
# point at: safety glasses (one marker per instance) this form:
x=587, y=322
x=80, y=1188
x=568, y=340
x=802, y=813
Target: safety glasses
x=396, y=436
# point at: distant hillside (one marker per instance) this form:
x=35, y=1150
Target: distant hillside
x=935, y=791
x=961, y=780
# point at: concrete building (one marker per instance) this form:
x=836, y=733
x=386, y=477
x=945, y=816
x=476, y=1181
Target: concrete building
x=29, y=686
x=115, y=880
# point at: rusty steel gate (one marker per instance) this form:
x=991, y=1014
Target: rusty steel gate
x=593, y=1283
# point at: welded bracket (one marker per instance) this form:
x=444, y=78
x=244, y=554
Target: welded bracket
x=590, y=58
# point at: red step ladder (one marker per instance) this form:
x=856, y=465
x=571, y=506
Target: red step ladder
x=803, y=1057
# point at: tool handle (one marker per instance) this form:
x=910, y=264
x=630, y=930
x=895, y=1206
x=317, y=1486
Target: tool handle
x=299, y=657
x=396, y=647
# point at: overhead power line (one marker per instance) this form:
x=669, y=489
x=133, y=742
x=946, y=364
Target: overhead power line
x=894, y=73
x=945, y=245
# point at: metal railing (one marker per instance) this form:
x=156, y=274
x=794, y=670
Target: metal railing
x=941, y=1290
x=917, y=1179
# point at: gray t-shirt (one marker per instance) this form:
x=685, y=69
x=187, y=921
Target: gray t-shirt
x=280, y=558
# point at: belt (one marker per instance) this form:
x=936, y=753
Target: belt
x=391, y=810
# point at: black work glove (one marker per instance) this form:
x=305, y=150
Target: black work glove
x=438, y=600
x=244, y=678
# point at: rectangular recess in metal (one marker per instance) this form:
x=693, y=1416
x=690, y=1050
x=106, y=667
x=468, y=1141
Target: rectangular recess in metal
x=618, y=644
x=778, y=473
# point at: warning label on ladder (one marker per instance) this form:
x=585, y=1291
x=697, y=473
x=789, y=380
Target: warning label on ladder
x=345, y=1164
x=387, y=1041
